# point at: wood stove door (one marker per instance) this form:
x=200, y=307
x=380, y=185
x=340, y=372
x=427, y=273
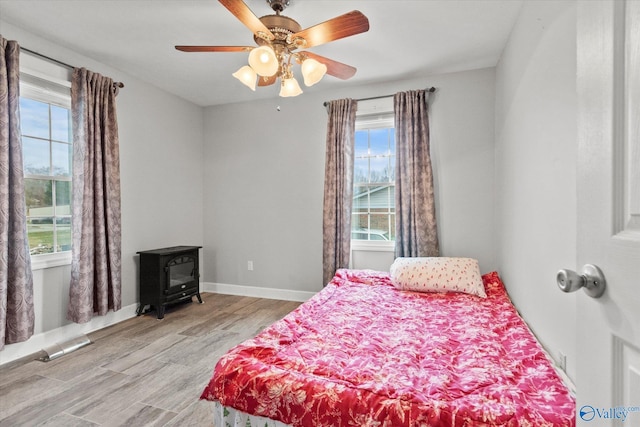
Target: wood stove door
x=182, y=274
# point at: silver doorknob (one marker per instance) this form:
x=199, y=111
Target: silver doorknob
x=591, y=279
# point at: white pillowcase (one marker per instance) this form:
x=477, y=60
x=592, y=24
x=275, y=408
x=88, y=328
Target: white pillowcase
x=438, y=274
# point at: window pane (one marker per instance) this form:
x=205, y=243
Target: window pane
x=392, y=141
x=34, y=118
x=361, y=201
x=60, y=120
x=61, y=159
x=63, y=234
x=38, y=197
x=361, y=170
x=380, y=171
x=379, y=227
x=380, y=199
x=35, y=156
x=359, y=223
x=359, y=189
x=392, y=168
x=40, y=234
x=392, y=199
x=392, y=221
x=392, y=149
x=379, y=141
x=63, y=198
x=361, y=143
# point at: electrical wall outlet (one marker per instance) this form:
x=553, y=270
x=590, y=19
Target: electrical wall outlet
x=250, y=265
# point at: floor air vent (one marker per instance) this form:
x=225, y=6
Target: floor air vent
x=60, y=349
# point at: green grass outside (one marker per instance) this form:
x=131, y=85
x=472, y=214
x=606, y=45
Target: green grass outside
x=41, y=241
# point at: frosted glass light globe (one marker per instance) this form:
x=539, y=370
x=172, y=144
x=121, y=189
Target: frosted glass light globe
x=290, y=87
x=312, y=71
x=263, y=60
x=247, y=76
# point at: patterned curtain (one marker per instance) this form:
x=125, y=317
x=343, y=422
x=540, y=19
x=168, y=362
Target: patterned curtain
x=95, y=263
x=416, y=231
x=16, y=280
x=338, y=187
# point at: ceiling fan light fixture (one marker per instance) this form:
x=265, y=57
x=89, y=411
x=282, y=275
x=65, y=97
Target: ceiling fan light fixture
x=312, y=71
x=247, y=76
x=278, y=37
x=289, y=87
x=263, y=60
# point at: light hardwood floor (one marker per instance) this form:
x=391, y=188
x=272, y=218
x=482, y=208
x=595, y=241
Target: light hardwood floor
x=140, y=372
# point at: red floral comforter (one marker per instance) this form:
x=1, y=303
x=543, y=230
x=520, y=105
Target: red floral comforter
x=362, y=353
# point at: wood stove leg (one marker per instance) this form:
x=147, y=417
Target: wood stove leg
x=160, y=309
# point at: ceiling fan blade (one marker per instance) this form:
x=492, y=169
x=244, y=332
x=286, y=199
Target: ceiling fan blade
x=214, y=48
x=334, y=68
x=346, y=25
x=267, y=81
x=241, y=11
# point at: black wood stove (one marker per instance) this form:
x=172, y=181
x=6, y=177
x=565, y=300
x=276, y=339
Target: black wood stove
x=167, y=276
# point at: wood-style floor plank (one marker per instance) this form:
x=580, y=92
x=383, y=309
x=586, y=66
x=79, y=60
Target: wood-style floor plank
x=140, y=372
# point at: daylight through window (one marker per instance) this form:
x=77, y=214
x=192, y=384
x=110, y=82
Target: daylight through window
x=45, y=121
x=373, y=210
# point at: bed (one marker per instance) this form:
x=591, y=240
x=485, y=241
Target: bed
x=366, y=352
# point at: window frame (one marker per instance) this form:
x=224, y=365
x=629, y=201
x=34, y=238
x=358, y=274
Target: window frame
x=379, y=120
x=43, y=88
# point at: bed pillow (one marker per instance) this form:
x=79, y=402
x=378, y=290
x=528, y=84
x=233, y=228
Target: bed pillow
x=438, y=274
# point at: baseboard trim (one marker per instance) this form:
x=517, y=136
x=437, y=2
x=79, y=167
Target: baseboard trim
x=257, y=292
x=37, y=342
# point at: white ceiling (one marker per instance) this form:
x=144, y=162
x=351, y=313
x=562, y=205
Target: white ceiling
x=407, y=38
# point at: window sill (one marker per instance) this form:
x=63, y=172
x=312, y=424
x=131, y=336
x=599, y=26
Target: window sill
x=376, y=246
x=39, y=262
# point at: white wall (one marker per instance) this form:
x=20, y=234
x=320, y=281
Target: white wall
x=264, y=176
x=535, y=170
x=161, y=181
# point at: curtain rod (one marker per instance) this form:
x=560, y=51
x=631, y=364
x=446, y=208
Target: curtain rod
x=64, y=64
x=431, y=90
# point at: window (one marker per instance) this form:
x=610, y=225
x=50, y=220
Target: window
x=373, y=209
x=45, y=121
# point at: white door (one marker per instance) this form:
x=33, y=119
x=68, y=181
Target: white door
x=608, y=353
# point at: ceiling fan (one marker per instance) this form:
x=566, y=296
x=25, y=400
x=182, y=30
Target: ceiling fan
x=280, y=41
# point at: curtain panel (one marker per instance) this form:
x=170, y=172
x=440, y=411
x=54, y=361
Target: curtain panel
x=16, y=280
x=338, y=187
x=96, y=225
x=416, y=230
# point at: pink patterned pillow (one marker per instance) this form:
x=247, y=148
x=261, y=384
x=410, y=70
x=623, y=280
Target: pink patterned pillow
x=438, y=274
